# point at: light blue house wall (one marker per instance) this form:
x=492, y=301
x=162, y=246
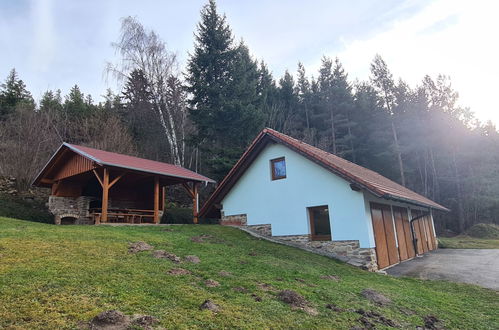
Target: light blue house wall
x=283, y=203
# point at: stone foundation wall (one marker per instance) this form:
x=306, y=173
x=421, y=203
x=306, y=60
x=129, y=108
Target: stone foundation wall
x=348, y=251
x=234, y=220
x=264, y=230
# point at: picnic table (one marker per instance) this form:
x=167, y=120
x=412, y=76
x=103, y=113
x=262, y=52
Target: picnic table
x=123, y=215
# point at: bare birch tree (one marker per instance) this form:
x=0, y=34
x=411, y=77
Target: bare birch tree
x=144, y=50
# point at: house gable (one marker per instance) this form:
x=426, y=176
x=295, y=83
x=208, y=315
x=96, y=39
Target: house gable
x=283, y=203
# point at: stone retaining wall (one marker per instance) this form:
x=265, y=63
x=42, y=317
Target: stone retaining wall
x=348, y=251
x=234, y=220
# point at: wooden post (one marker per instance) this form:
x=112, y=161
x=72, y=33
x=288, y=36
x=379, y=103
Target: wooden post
x=195, y=202
x=156, y=199
x=105, y=194
x=163, y=199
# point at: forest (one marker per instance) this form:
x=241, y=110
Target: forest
x=203, y=116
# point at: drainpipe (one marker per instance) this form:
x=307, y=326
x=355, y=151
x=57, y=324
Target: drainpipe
x=414, y=239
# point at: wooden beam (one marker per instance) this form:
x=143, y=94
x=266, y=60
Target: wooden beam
x=55, y=188
x=156, y=200
x=195, y=203
x=105, y=194
x=116, y=179
x=189, y=190
x=98, y=177
x=163, y=198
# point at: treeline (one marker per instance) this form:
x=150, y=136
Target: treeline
x=204, y=116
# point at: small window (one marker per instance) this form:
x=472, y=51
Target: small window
x=278, y=168
x=320, y=229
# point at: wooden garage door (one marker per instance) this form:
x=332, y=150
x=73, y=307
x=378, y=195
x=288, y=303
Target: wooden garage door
x=423, y=229
x=384, y=235
x=430, y=234
x=404, y=236
x=418, y=232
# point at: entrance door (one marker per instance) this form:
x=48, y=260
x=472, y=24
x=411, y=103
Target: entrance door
x=320, y=228
x=384, y=235
x=404, y=236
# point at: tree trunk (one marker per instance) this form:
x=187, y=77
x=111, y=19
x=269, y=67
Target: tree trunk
x=398, y=153
x=460, y=206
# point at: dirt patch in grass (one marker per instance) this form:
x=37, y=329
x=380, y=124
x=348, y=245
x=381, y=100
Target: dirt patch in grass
x=292, y=298
x=223, y=273
x=139, y=247
x=205, y=238
x=210, y=305
x=116, y=320
x=375, y=297
x=334, y=308
x=431, y=322
x=178, y=271
x=240, y=289
x=193, y=259
x=370, y=318
x=296, y=301
x=211, y=283
x=256, y=297
x=266, y=287
x=162, y=254
x=331, y=277
x=253, y=254
x=145, y=322
x=109, y=320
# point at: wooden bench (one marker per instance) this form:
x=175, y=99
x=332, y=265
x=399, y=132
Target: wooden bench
x=123, y=215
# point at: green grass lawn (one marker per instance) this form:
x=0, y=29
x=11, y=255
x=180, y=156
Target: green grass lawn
x=467, y=242
x=55, y=277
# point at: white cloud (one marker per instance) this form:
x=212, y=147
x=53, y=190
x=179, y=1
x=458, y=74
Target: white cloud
x=456, y=38
x=43, y=33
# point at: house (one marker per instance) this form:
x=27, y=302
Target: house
x=294, y=192
x=91, y=186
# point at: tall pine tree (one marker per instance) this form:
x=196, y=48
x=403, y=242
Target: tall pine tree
x=223, y=80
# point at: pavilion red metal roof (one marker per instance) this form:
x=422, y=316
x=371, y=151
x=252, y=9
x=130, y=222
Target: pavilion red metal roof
x=106, y=158
x=364, y=178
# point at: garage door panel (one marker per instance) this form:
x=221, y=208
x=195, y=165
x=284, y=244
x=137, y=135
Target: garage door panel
x=380, y=237
x=432, y=233
x=401, y=235
x=408, y=236
x=424, y=242
x=393, y=254
x=384, y=235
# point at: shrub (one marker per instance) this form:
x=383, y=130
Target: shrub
x=177, y=215
x=484, y=230
x=24, y=208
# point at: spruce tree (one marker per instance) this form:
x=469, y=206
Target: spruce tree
x=223, y=81
x=13, y=93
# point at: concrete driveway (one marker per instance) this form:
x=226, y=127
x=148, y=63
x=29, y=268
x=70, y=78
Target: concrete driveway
x=473, y=266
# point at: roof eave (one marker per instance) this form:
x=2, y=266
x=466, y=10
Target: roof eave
x=102, y=163
x=39, y=175
x=417, y=203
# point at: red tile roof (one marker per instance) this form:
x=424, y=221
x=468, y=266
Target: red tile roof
x=362, y=177
x=107, y=158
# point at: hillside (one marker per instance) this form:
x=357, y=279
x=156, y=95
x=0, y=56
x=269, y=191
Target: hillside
x=63, y=276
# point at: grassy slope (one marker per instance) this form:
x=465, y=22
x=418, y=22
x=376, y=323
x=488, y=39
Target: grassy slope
x=58, y=276
x=467, y=242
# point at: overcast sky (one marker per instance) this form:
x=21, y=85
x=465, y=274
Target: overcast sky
x=55, y=44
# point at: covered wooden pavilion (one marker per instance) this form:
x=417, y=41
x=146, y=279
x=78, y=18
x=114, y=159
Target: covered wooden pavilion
x=95, y=186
